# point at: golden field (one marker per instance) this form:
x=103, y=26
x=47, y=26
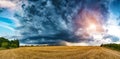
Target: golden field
x=60, y=52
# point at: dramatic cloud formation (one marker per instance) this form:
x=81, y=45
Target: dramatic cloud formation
x=65, y=22
x=7, y=4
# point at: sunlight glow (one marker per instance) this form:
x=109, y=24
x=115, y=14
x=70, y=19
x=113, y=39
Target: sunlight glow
x=92, y=27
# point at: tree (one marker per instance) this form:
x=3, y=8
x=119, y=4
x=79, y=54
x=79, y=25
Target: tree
x=17, y=42
x=14, y=43
x=5, y=45
x=3, y=40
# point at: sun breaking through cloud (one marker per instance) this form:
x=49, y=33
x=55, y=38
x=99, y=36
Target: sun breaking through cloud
x=63, y=22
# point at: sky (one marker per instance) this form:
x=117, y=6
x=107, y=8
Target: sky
x=61, y=22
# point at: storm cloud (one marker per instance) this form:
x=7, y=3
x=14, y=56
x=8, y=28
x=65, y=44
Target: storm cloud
x=58, y=21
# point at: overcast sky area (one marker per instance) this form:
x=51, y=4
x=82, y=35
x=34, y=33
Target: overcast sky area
x=61, y=22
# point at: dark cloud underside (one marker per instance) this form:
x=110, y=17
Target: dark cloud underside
x=53, y=21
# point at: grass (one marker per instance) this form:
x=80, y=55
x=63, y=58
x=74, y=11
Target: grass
x=58, y=52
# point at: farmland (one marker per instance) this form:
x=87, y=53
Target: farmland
x=60, y=52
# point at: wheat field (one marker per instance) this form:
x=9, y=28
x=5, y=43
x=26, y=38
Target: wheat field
x=60, y=52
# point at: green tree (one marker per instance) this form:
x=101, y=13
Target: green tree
x=17, y=43
x=5, y=45
x=3, y=40
x=14, y=43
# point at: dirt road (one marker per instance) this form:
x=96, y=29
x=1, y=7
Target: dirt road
x=60, y=52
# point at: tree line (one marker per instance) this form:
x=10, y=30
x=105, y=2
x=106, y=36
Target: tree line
x=112, y=46
x=5, y=43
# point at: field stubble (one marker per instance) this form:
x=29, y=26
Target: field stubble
x=60, y=52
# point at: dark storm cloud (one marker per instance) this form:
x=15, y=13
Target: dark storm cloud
x=52, y=21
